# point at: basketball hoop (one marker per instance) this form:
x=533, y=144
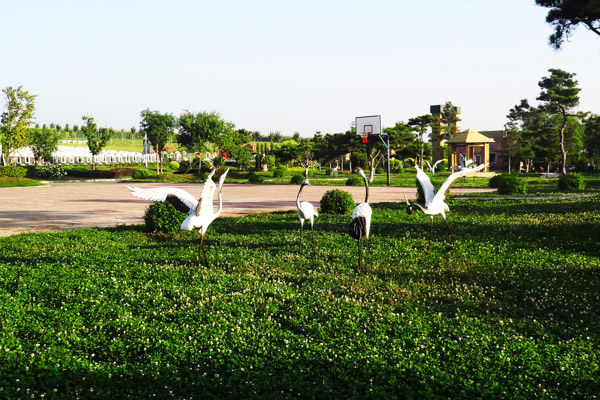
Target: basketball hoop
x=365, y=136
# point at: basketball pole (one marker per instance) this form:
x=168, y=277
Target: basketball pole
x=387, y=146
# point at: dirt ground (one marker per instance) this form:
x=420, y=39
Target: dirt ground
x=72, y=205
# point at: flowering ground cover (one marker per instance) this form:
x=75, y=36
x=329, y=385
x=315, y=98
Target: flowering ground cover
x=511, y=311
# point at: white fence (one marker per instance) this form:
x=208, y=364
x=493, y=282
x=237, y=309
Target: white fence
x=75, y=155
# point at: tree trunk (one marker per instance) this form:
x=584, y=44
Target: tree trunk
x=562, y=144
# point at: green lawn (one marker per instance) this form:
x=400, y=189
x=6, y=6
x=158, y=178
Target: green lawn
x=16, y=182
x=512, y=311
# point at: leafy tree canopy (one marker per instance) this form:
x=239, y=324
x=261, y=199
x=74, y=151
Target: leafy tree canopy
x=15, y=120
x=566, y=15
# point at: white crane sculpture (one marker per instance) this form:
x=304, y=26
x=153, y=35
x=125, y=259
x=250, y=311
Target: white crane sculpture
x=361, y=221
x=306, y=211
x=432, y=168
x=200, y=212
x=434, y=202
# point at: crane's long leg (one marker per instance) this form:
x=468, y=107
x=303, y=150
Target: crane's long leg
x=312, y=229
x=366, y=252
x=449, y=230
x=201, y=247
x=301, y=231
x=430, y=232
x=358, y=241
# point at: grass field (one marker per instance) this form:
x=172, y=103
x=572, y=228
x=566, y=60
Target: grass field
x=511, y=311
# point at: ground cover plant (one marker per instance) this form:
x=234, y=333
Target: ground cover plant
x=512, y=311
x=8, y=182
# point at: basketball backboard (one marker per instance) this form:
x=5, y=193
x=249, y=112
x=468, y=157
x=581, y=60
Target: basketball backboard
x=369, y=124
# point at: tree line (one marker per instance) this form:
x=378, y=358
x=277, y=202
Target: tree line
x=551, y=132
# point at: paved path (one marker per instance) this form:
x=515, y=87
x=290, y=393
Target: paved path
x=61, y=206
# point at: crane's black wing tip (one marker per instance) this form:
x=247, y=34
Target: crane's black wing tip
x=177, y=203
x=358, y=227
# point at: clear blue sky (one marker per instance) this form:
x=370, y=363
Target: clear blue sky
x=267, y=65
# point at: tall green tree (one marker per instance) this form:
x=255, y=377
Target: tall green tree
x=15, y=120
x=160, y=129
x=419, y=125
x=515, y=142
x=559, y=95
x=197, y=130
x=566, y=15
x=450, y=120
x=591, y=136
x=97, y=139
x=44, y=142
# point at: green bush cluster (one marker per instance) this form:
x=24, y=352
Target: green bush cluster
x=279, y=172
x=13, y=172
x=297, y=179
x=49, y=172
x=140, y=174
x=163, y=217
x=354, y=180
x=253, y=177
x=82, y=172
x=512, y=185
x=571, y=182
x=174, y=165
x=337, y=201
x=494, y=181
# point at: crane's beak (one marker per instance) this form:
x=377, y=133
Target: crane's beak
x=222, y=178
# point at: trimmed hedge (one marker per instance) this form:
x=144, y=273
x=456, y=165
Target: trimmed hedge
x=279, y=172
x=337, y=201
x=253, y=177
x=163, y=217
x=140, y=174
x=12, y=172
x=297, y=179
x=571, y=182
x=512, y=184
x=354, y=180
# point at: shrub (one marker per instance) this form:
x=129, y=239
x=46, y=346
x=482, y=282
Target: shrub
x=279, y=172
x=297, y=179
x=399, y=170
x=379, y=171
x=163, y=217
x=512, y=184
x=253, y=177
x=140, y=174
x=494, y=181
x=337, y=201
x=13, y=172
x=354, y=180
x=174, y=165
x=49, y=172
x=81, y=172
x=571, y=182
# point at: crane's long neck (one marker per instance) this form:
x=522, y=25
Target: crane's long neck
x=298, y=197
x=366, y=189
x=220, y=205
x=420, y=207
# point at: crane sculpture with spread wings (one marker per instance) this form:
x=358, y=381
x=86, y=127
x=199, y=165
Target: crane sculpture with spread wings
x=434, y=202
x=200, y=212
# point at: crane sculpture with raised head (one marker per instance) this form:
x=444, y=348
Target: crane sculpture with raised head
x=200, y=212
x=434, y=202
x=433, y=167
x=306, y=211
x=361, y=221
